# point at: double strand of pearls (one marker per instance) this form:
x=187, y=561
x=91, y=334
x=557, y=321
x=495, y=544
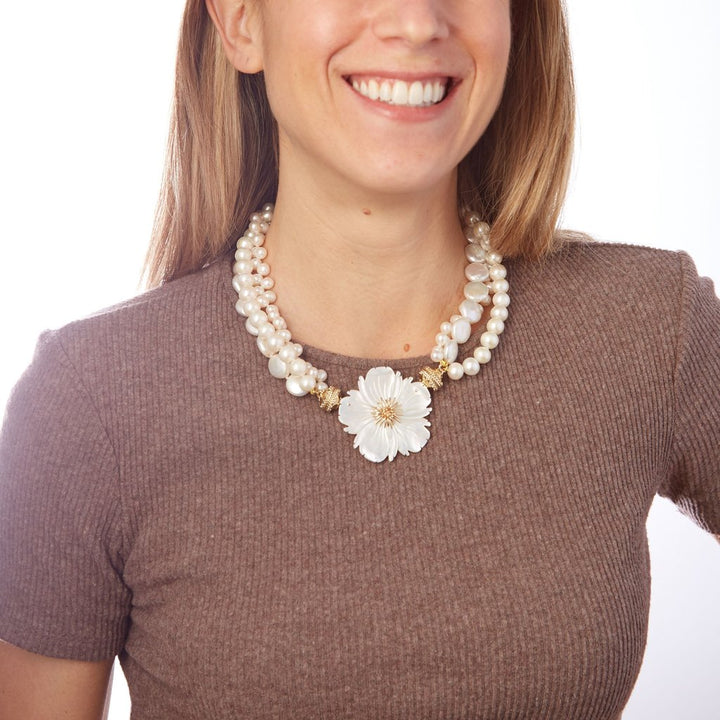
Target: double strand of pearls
x=486, y=285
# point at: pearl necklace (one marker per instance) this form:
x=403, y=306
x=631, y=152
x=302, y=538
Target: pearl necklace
x=387, y=413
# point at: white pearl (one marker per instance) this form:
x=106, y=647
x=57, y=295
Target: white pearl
x=259, y=252
x=489, y=340
x=298, y=367
x=258, y=240
x=455, y=318
x=279, y=323
x=321, y=386
x=263, y=269
x=288, y=353
x=245, y=243
x=251, y=328
x=265, y=347
x=474, y=253
x=267, y=283
x=477, y=272
x=243, y=267
x=272, y=311
x=258, y=317
x=251, y=307
x=284, y=333
x=461, y=330
x=437, y=354
x=451, y=351
x=446, y=328
x=307, y=383
x=442, y=340
x=455, y=371
x=275, y=342
x=499, y=313
x=501, y=300
x=476, y=291
x=254, y=226
x=312, y=372
x=482, y=355
x=239, y=307
x=247, y=293
x=500, y=286
x=495, y=326
x=481, y=230
x=267, y=216
x=293, y=386
x=277, y=367
x=471, y=366
x=298, y=349
x=322, y=376
x=270, y=297
x=498, y=272
x=265, y=329
x=241, y=281
x=494, y=257
x=471, y=310
x=242, y=254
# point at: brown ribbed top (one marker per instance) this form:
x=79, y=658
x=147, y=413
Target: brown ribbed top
x=164, y=498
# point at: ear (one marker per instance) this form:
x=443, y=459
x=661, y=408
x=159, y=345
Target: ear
x=239, y=30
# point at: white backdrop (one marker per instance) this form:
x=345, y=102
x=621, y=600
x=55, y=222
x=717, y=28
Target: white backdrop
x=86, y=92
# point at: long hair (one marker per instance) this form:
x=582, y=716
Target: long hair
x=222, y=159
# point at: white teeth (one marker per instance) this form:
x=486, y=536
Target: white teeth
x=399, y=92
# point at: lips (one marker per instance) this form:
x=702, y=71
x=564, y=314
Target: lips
x=399, y=92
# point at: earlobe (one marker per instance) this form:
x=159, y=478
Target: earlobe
x=239, y=32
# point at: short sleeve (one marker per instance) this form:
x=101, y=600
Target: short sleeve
x=61, y=531
x=693, y=482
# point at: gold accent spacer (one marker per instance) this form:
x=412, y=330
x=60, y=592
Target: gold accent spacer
x=432, y=378
x=329, y=398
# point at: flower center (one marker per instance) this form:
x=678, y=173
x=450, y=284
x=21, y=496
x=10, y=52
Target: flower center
x=386, y=413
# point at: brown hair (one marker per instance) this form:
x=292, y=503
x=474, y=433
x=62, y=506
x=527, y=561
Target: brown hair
x=222, y=151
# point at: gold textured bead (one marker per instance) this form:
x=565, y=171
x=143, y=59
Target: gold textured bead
x=329, y=398
x=431, y=378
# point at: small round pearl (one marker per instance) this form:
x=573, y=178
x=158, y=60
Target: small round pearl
x=455, y=371
x=257, y=317
x=489, y=340
x=277, y=367
x=437, y=354
x=501, y=300
x=265, y=347
x=259, y=252
x=284, y=333
x=251, y=328
x=267, y=283
x=442, y=340
x=298, y=367
x=482, y=355
x=471, y=310
x=322, y=376
x=288, y=353
x=446, y=328
x=307, y=383
x=263, y=269
x=321, y=386
x=239, y=306
x=495, y=326
x=275, y=342
x=499, y=313
x=481, y=230
x=243, y=254
x=494, y=258
x=245, y=243
x=247, y=293
x=270, y=297
x=471, y=366
x=265, y=329
x=498, y=272
x=500, y=286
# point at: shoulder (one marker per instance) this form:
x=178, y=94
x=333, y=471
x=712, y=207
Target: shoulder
x=153, y=323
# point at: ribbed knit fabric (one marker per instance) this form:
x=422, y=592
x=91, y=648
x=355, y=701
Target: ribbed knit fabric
x=162, y=497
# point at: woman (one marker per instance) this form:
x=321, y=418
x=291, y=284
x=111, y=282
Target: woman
x=248, y=555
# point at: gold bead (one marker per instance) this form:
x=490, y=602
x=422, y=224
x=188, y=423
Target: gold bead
x=431, y=378
x=329, y=398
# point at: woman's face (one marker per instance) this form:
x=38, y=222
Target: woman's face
x=387, y=95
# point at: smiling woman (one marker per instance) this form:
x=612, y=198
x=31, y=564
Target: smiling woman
x=352, y=197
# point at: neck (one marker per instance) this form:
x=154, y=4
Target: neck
x=371, y=277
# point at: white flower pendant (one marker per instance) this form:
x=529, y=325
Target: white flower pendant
x=386, y=414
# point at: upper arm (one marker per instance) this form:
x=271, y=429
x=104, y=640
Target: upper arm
x=35, y=687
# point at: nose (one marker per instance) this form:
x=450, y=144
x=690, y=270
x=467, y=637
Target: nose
x=415, y=22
